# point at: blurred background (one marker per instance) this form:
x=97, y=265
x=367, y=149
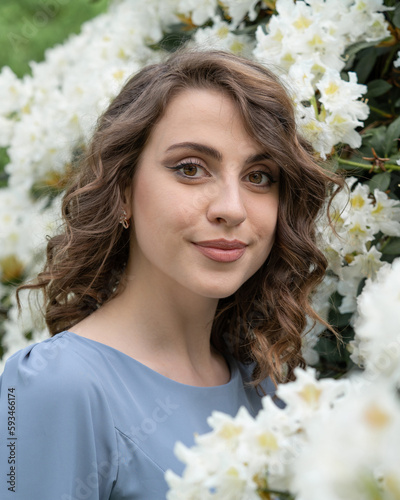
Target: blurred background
x=29, y=27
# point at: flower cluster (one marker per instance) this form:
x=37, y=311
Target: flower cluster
x=359, y=217
x=309, y=40
x=353, y=429
x=352, y=425
x=244, y=456
x=354, y=250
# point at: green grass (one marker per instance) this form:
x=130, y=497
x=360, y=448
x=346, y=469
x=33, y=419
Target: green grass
x=29, y=27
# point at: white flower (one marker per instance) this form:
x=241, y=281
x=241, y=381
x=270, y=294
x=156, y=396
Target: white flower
x=367, y=21
x=317, y=132
x=6, y=131
x=357, y=217
x=396, y=64
x=220, y=36
x=342, y=128
x=351, y=213
x=307, y=395
x=357, y=233
x=199, y=11
x=351, y=443
x=378, y=324
x=344, y=110
x=20, y=323
x=385, y=214
x=338, y=95
x=237, y=10
x=221, y=465
x=364, y=265
x=300, y=80
x=15, y=93
x=16, y=216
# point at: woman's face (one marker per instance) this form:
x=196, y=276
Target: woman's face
x=204, y=200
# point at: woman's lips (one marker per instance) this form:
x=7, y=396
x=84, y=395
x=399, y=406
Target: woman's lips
x=221, y=250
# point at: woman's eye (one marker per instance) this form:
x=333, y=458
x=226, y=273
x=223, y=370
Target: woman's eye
x=189, y=169
x=260, y=179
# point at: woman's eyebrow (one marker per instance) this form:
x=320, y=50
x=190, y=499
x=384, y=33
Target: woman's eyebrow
x=200, y=148
x=258, y=157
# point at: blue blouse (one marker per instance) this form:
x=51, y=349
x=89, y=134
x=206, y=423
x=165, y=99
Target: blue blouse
x=80, y=420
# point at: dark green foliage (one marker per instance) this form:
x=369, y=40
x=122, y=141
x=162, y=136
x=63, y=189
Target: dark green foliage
x=3, y=162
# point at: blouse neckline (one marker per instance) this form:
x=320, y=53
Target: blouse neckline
x=230, y=361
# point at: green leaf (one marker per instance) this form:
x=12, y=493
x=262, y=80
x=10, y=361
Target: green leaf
x=379, y=181
x=365, y=64
x=335, y=317
x=377, y=88
x=4, y=159
x=393, y=247
x=356, y=47
x=174, y=39
x=375, y=138
x=392, y=134
x=396, y=17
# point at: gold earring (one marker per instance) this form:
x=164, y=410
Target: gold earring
x=124, y=219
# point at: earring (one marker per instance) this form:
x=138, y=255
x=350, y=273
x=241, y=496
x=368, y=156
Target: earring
x=124, y=219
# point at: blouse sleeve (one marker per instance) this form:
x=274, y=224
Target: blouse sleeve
x=57, y=437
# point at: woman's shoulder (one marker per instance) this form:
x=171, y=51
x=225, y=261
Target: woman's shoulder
x=54, y=406
x=56, y=364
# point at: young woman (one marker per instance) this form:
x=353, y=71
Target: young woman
x=179, y=284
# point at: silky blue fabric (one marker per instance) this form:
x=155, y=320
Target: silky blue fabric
x=80, y=420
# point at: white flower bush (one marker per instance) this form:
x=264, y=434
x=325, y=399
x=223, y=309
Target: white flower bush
x=308, y=41
x=220, y=37
x=359, y=216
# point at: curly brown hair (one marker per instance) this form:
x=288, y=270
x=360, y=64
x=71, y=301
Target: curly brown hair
x=264, y=320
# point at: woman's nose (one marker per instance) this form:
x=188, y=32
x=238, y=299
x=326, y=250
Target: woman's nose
x=226, y=205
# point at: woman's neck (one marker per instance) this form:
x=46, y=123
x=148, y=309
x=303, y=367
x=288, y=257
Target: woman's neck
x=166, y=329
